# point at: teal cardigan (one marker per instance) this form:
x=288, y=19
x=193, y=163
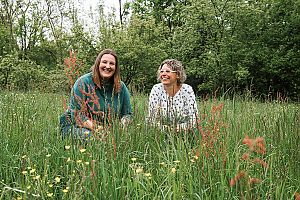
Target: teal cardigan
x=101, y=104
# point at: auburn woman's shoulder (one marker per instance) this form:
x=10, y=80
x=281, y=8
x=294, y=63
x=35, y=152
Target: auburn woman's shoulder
x=86, y=78
x=123, y=86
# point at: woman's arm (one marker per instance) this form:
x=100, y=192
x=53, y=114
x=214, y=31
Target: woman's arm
x=126, y=109
x=153, y=104
x=193, y=109
x=77, y=103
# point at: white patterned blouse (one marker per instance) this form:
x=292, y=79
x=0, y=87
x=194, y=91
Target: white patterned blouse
x=178, y=110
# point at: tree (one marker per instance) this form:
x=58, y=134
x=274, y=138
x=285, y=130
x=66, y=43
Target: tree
x=140, y=52
x=8, y=15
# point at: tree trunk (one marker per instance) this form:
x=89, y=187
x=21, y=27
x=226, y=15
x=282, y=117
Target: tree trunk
x=120, y=12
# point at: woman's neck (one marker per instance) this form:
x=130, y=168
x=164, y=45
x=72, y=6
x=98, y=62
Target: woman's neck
x=172, y=90
x=106, y=81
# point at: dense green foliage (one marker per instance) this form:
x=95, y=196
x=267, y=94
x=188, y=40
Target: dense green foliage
x=143, y=162
x=231, y=45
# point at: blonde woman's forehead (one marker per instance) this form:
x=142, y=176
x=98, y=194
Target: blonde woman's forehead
x=165, y=66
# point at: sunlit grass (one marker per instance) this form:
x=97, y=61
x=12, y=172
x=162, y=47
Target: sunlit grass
x=143, y=162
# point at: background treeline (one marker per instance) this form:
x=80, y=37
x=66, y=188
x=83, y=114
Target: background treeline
x=231, y=46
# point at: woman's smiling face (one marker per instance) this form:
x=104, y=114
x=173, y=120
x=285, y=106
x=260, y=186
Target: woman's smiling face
x=107, y=66
x=167, y=76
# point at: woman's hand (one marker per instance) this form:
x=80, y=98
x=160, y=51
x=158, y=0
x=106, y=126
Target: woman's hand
x=125, y=121
x=88, y=124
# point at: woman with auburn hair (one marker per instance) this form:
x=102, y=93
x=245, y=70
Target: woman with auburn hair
x=172, y=102
x=97, y=98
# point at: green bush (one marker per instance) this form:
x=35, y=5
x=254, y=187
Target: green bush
x=20, y=74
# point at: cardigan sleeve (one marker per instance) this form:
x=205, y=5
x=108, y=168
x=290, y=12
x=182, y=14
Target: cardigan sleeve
x=126, y=110
x=77, y=106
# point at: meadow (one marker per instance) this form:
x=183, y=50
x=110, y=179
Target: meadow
x=241, y=149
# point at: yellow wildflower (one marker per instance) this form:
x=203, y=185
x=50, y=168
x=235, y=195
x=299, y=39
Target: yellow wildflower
x=49, y=194
x=67, y=147
x=173, y=170
x=133, y=159
x=82, y=150
x=139, y=170
x=57, y=179
x=37, y=177
x=147, y=174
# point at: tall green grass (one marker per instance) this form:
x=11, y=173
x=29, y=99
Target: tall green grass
x=143, y=162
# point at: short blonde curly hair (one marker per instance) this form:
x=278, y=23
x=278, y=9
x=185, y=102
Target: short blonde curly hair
x=175, y=65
